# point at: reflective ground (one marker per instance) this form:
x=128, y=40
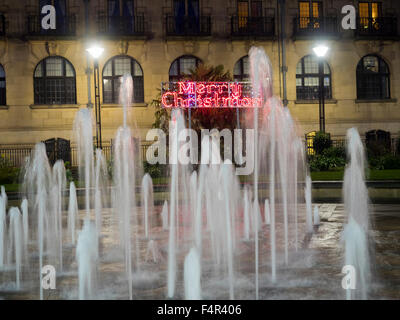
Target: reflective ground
x=313, y=272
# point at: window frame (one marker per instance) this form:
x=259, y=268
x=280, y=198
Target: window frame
x=242, y=77
x=360, y=75
x=180, y=76
x=303, y=76
x=113, y=78
x=44, y=77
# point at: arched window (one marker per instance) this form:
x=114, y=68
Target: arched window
x=2, y=86
x=113, y=71
x=182, y=66
x=54, y=82
x=373, y=78
x=241, y=70
x=308, y=73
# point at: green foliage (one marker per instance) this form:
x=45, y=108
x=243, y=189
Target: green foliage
x=335, y=152
x=9, y=175
x=326, y=163
x=321, y=142
x=385, y=162
x=4, y=163
x=376, y=149
x=154, y=170
x=68, y=171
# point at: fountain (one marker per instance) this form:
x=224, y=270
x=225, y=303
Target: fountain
x=218, y=237
x=164, y=215
x=87, y=256
x=147, y=202
x=15, y=245
x=192, y=275
x=355, y=233
x=72, y=212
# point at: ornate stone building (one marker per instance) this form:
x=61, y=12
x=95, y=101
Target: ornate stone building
x=44, y=73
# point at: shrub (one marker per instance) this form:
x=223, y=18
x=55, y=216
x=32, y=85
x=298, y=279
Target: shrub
x=154, y=170
x=325, y=163
x=386, y=162
x=9, y=175
x=321, y=142
x=335, y=152
x=376, y=149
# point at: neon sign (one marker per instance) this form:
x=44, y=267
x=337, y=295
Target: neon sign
x=186, y=94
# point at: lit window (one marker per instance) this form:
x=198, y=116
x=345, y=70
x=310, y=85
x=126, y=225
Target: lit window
x=307, y=79
x=113, y=71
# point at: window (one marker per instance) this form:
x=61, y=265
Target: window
x=373, y=78
x=310, y=142
x=182, y=66
x=113, y=71
x=120, y=15
x=241, y=70
x=369, y=13
x=310, y=12
x=54, y=82
x=186, y=16
x=308, y=73
x=2, y=86
x=246, y=8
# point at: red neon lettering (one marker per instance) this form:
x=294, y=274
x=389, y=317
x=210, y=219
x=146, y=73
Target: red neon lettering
x=189, y=88
x=164, y=99
x=200, y=88
x=208, y=95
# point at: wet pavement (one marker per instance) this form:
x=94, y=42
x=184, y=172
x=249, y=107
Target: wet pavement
x=313, y=270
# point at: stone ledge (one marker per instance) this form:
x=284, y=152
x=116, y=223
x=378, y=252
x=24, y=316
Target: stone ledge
x=328, y=101
x=376, y=101
x=54, y=106
x=117, y=105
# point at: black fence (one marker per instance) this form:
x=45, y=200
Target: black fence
x=117, y=25
x=253, y=26
x=310, y=27
x=377, y=27
x=390, y=145
x=188, y=25
x=16, y=155
x=65, y=26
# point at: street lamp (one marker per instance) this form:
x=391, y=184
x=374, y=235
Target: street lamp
x=95, y=51
x=320, y=51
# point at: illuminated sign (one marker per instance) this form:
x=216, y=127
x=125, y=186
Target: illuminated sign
x=187, y=94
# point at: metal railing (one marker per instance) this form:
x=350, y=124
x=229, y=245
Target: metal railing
x=309, y=27
x=65, y=26
x=253, y=26
x=188, y=25
x=377, y=27
x=16, y=155
x=119, y=25
x=342, y=143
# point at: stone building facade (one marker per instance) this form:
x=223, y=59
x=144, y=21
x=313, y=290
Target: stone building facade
x=156, y=33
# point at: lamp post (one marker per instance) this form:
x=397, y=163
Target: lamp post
x=95, y=51
x=320, y=51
